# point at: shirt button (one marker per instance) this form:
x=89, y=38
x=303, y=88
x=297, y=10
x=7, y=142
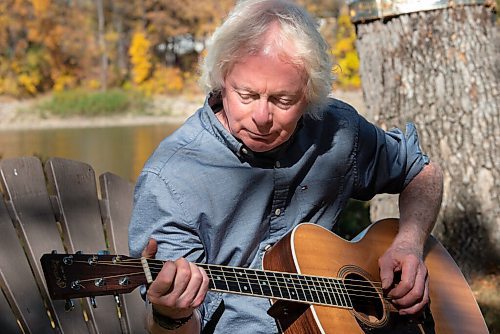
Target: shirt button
x=277, y=164
x=277, y=212
x=244, y=151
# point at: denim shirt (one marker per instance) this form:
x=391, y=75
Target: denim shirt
x=204, y=196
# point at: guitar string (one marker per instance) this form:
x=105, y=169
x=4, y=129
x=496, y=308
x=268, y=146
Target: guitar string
x=312, y=288
x=259, y=295
x=292, y=276
x=209, y=266
x=156, y=266
x=255, y=272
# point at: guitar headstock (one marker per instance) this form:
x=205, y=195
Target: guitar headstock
x=87, y=275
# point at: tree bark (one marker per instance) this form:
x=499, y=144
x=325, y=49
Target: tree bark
x=440, y=69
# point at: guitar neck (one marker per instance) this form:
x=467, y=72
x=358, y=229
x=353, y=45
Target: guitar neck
x=269, y=284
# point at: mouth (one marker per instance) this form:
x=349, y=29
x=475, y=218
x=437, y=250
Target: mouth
x=259, y=135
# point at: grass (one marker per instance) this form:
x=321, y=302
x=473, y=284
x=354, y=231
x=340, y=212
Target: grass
x=81, y=102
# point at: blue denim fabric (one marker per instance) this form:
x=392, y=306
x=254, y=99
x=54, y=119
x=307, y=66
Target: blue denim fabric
x=204, y=196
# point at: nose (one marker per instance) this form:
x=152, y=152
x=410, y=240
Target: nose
x=262, y=115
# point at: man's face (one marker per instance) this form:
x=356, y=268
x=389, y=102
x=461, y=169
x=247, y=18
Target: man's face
x=263, y=99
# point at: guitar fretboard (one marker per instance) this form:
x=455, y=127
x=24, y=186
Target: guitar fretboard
x=278, y=285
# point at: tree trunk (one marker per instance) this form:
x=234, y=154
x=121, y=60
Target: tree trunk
x=121, y=48
x=102, y=44
x=441, y=70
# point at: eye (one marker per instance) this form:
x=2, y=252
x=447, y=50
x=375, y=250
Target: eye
x=283, y=102
x=247, y=97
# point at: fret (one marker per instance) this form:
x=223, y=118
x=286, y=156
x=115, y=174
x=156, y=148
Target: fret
x=232, y=282
x=217, y=279
x=289, y=286
x=326, y=292
x=306, y=289
x=243, y=283
x=255, y=284
x=346, y=295
x=264, y=284
x=298, y=288
x=314, y=294
x=319, y=288
x=340, y=292
x=333, y=291
x=274, y=284
x=285, y=292
x=289, y=283
x=302, y=291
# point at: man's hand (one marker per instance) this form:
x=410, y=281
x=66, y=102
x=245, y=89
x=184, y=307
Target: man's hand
x=411, y=293
x=179, y=288
x=418, y=207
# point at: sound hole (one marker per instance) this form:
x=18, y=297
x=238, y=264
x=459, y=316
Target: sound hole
x=365, y=299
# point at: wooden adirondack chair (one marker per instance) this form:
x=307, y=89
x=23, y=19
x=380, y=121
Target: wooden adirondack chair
x=57, y=207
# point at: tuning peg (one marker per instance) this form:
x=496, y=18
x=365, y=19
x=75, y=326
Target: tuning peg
x=117, y=300
x=54, y=251
x=92, y=302
x=69, y=305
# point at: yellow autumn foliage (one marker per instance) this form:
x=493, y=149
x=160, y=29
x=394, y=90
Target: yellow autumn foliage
x=29, y=82
x=344, y=51
x=165, y=80
x=40, y=6
x=64, y=81
x=23, y=76
x=140, y=57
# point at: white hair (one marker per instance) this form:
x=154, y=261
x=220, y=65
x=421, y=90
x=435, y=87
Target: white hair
x=244, y=31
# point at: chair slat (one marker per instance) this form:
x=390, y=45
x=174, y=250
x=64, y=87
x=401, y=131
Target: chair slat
x=22, y=294
x=75, y=186
x=7, y=319
x=24, y=184
x=117, y=194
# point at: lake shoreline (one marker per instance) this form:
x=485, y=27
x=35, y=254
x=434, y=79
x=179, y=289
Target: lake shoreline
x=86, y=122
x=17, y=115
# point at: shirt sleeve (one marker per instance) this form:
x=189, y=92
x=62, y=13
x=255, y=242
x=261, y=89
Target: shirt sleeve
x=386, y=161
x=158, y=213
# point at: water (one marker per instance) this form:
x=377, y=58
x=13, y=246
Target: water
x=120, y=150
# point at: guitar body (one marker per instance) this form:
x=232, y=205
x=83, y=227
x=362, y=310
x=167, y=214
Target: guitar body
x=312, y=250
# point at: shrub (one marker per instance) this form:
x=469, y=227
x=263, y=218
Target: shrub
x=92, y=103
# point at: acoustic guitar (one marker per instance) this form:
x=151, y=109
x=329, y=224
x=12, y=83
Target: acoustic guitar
x=317, y=281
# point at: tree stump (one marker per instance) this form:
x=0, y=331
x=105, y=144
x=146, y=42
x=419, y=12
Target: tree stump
x=440, y=69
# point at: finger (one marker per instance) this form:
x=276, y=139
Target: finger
x=150, y=250
x=386, y=272
x=416, y=294
x=163, y=282
x=181, y=281
x=409, y=271
x=418, y=307
x=187, y=298
x=202, y=292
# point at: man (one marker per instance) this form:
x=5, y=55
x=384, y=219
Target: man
x=268, y=151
